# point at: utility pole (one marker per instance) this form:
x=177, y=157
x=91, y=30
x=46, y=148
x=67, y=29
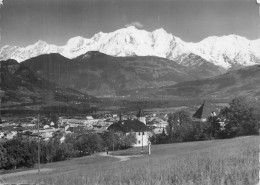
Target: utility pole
x=149, y=148
x=113, y=139
x=125, y=140
x=38, y=127
x=258, y=3
x=142, y=143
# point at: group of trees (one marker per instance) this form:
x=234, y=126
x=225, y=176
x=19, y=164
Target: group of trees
x=241, y=117
x=118, y=141
x=18, y=152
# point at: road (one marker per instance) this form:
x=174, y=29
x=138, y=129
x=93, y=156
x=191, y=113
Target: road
x=120, y=157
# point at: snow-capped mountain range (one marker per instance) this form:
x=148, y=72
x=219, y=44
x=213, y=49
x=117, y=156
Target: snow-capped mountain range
x=226, y=51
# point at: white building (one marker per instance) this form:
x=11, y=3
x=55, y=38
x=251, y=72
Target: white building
x=136, y=126
x=142, y=139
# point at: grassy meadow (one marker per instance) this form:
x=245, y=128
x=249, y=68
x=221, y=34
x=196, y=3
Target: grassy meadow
x=220, y=162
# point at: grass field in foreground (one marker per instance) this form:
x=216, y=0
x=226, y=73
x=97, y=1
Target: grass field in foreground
x=220, y=162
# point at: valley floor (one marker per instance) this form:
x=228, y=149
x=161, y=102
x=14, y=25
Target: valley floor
x=230, y=161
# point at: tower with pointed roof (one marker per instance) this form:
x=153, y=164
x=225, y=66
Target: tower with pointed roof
x=141, y=117
x=206, y=110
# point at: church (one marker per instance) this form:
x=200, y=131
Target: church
x=137, y=126
x=206, y=110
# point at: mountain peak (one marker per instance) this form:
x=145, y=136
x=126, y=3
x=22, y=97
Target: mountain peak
x=160, y=30
x=75, y=40
x=225, y=51
x=97, y=36
x=39, y=43
x=225, y=37
x=131, y=27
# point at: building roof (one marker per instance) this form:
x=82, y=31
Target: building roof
x=140, y=113
x=129, y=126
x=78, y=130
x=205, y=110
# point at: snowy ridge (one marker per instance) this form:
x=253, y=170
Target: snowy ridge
x=228, y=51
x=225, y=51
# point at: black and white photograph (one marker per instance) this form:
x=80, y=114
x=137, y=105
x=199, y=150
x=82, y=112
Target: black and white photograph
x=130, y=92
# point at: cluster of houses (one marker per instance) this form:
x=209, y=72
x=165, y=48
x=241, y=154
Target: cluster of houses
x=143, y=126
x=29, y=128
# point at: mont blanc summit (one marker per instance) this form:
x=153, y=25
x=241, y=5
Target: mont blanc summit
x=225, y=51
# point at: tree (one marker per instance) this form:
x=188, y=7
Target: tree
x=49, y=150
x=30, y=148
x=201, y=131
x=3, y=157
x=95, y=143
x=14, y=151
x=65, y=151
x=212, y=129
x=87, y=144
x=171, y=125
x=242, y=118
x=19, y=153
x=180, y=127
x=159, y=138
x=72, y=138
x=110, y=140
x=127, y=140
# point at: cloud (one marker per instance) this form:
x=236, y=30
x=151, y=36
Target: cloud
x=136, y=24
x=1, y=2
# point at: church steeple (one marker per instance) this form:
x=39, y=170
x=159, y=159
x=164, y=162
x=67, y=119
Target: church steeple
x=140, y=113
x=140, y=116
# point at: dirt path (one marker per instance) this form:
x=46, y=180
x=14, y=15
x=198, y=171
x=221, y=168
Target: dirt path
x=120, y=157
x=43, y=170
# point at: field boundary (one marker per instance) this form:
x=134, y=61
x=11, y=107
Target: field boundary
x=27, y=172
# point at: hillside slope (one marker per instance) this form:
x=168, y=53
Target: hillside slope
x=232, y=161
x=21, y=86
x=241, y=82
x=103, y=75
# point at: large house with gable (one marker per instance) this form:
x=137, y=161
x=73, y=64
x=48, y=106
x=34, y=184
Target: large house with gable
x=137, y=126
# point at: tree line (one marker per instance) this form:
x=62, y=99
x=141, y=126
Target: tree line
x=240, y=118
x=21, y=152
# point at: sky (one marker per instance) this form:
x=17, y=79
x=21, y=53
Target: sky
x=24, y=22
